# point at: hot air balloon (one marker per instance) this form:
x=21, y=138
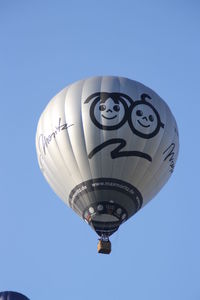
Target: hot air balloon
x=107, y=145
x=12, y=296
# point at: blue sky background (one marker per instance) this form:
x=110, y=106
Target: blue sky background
x=46, y=251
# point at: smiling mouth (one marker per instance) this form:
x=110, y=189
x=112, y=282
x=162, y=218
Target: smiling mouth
x=146, y=126
x=109, y=118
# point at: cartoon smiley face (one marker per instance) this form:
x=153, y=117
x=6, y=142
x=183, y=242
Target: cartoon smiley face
x=109, y=111
x=144, y=119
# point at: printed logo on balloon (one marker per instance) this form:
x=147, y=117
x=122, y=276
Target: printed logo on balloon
x=110, y=111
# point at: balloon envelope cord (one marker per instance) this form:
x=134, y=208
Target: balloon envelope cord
x=104, y=238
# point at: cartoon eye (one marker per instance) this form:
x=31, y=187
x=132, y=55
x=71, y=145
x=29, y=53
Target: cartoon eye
x=116, y=108
x=151, y=118
x=102, y=107
x=139, y=113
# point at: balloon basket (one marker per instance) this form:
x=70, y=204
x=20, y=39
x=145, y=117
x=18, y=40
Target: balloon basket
x=104, y=247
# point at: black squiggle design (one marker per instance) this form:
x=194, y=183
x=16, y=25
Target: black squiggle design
x=117, y=151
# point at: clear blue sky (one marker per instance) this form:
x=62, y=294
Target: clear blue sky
x=46, y=251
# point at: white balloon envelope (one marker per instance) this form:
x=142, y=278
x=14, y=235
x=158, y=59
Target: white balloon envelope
x=107, y=145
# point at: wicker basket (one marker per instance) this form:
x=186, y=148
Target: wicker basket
x=104, y=247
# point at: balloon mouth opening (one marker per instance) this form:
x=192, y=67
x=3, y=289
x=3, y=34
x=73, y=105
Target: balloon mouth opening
x=105, y=228
x=105, y=217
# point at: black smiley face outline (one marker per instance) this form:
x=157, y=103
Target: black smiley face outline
x=151, y=119
x=102, y=97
